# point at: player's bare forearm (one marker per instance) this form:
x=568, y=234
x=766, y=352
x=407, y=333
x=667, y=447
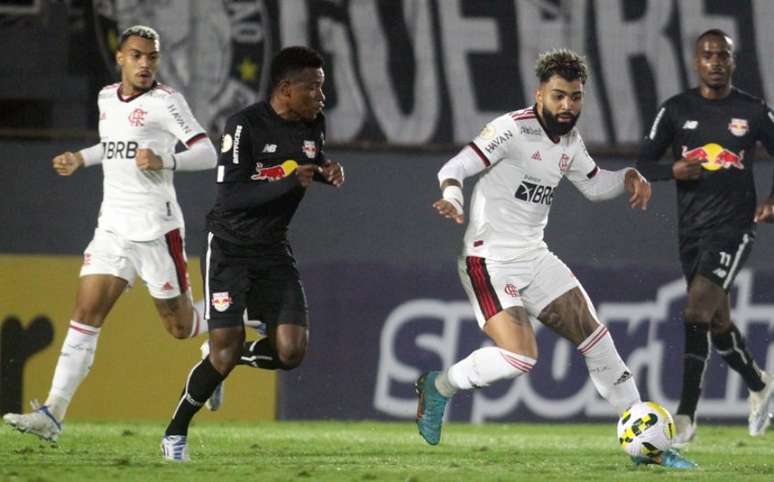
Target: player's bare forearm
x=147, y=160
x=639, y=188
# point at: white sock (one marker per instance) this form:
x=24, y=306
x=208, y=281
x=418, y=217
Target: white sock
x=608, y=371
x=484, y=367
x=199, y=325
x=74, y=363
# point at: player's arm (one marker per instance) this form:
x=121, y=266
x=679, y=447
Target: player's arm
x=68, y=162
x=765, y=211
x=331, y=172
x=597, y=184
x=655, y=144
x=237, y=190
x=478, y=155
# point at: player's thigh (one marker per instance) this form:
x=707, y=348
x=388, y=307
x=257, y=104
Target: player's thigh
x=227, y=283
x=277, y=294
x=97, y=293
x=722, y=255
x=493, y=286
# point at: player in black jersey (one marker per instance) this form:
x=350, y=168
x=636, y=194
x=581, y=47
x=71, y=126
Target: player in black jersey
x=712, y=131
x=270, y=154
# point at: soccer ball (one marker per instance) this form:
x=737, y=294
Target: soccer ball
x=646, y=429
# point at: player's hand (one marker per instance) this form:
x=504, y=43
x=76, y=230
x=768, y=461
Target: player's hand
x=639, y=187
x=333, y=173
x=448, y=210
x=66, y=163
x=765, y=212
x=687, y=169
x=147, y=160
x=305, y=174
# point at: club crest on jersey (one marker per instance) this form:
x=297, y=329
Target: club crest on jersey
x=511, y=290
x=564, y=162
x=221, y=301
x=310, y=149
x=226, y=143
x=738, y=127
x=137, y=117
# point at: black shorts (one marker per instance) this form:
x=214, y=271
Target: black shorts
x=263, y=281
x=718, y=256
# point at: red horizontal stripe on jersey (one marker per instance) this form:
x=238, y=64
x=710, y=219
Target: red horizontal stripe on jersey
x=82, y=330
x=480, y=154
x=593, y=342
x=195, y=139
x=165, y=88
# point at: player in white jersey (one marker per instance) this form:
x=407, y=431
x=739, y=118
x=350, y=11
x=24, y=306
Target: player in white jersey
x=140, y=231
x=507, y=271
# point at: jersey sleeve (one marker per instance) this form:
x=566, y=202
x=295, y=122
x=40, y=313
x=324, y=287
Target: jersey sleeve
x=235, y=163
x=181, y=122
x=491, y=144
x=582, y=166
x=766, y=135
x=655, y=144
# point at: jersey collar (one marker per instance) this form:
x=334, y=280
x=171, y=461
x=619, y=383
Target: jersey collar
x=129, y=99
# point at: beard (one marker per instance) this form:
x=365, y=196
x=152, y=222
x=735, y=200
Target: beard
x=556, y=128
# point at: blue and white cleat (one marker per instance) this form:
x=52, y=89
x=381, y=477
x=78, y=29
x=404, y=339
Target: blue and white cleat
x=39, y=422
x=216, y=399
x=175, y=448
x=430, y=408
x=669, y=458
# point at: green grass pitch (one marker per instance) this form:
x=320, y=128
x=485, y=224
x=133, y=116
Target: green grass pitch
x=369, y=451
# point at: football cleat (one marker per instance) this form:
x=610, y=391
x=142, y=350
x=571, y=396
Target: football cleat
x=39, y=422
x=216, y=399
x=669, y=458
x=175, y=448
x=430, y=408
x=761, y=406
x=686, y=431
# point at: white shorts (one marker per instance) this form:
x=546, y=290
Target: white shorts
x=532, y=282
x=161, y=263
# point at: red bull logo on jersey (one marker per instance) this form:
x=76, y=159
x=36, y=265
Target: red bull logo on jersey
x=310, y=149
x=738, y=127
x=714, y=157
x=221, y=301
x=274, y=173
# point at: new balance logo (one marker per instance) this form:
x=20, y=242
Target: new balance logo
x=270, y=148
x=536, y=156
x=720, y=272
x=691, y=124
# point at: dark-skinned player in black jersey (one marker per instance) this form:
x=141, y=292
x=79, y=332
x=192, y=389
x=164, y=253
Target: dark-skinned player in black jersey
x=270, y=154
x=712, y=131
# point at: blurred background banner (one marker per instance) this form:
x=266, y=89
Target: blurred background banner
x=408, y=82
x=409, y=73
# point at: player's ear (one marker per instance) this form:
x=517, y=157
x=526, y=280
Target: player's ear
x=119, y=58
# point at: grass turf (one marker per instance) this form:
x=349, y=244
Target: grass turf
x=369, y=451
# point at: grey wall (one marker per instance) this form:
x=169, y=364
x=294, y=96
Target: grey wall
x=383, y=213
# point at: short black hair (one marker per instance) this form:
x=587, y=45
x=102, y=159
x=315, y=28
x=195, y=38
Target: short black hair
x=562, y=62
x=290, y=61
x=137, y=31
x=715, y=32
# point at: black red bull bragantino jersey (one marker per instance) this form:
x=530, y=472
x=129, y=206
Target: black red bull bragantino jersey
x=258, y=191
x=722, y=133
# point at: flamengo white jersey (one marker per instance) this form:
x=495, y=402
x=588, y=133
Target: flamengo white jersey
x=141, y=205
x=512, y=198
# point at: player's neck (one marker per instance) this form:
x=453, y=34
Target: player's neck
x=282, y=110
x=127, y=90
x=711, y=93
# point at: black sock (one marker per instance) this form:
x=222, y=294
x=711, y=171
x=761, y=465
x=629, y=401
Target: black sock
x=201, y=383
x=731, y=346
x=694, y=363
x=260, y=354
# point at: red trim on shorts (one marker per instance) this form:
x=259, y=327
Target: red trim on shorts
x=480, y=154
x=195, y=139
x=482, y=286
x=593, y=342
x=83, y=330
x=175, y=246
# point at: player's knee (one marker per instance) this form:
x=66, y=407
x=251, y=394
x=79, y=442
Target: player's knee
x=291, y=357
x=178, y=330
